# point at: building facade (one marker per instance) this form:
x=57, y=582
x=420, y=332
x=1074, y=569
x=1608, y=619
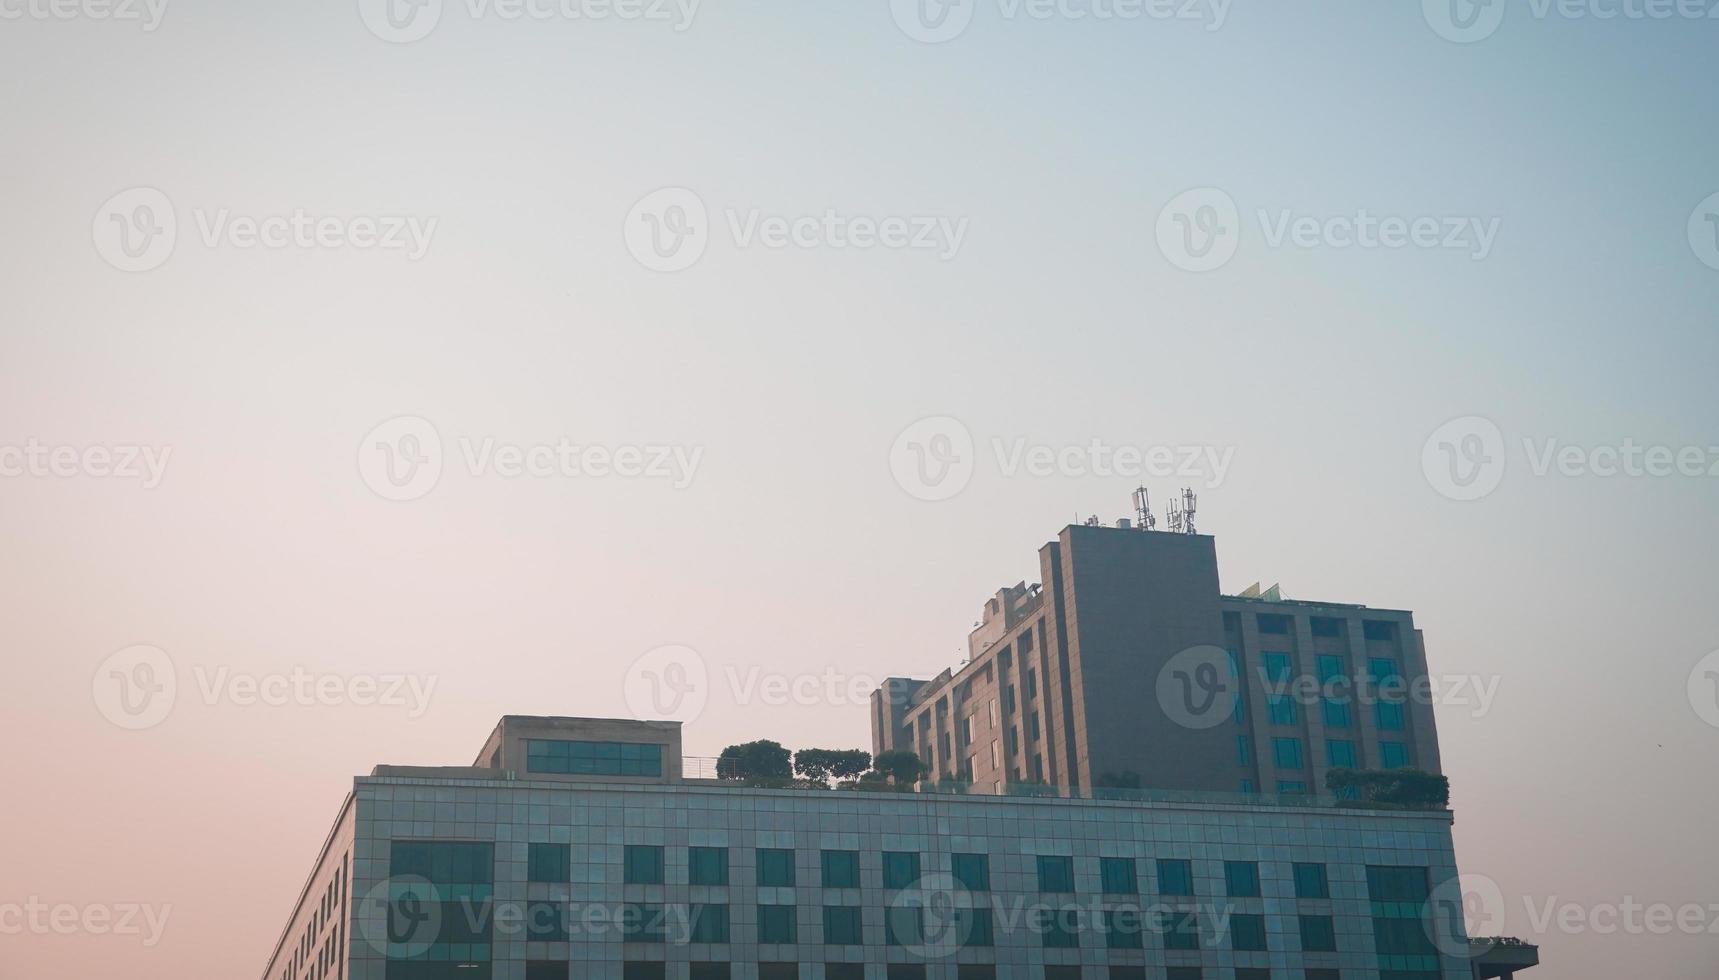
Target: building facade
x=574, y=848
x=1080, y=681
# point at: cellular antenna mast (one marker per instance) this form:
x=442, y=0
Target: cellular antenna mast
x=1174, y=519
x=1143, y=518
x=1188, y=502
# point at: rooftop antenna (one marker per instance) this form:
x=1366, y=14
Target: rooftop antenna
x=1174, y=518
x=1143, y=518
x=1092, y=521
x=1188, y=502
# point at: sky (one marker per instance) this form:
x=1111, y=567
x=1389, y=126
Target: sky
x=364, y=378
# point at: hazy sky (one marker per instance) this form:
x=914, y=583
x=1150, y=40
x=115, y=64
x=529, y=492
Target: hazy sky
x=474, y=259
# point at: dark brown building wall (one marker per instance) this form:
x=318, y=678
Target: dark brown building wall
x=1135, y=599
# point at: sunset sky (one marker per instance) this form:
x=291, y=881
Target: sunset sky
x=766, y=390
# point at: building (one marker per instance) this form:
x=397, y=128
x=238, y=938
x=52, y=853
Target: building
x=576, y=848
x=1080, y=681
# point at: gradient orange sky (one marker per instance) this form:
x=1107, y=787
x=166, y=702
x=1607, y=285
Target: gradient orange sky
x=794, y=552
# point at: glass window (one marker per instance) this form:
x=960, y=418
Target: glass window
x=1122, y=929
x=903, y=925
x=643, y=923
x=1318, y=935
x=775, y=867
x=1056, y=874
x=1389, y=715
x=1291, y=787
x=1119, y=876
x=1182, y=931
x=974, y=926
x=545, y=923
x=644, y=864
x=1310, y=881
x=841, y=925
x=972, y=871
x=1241, y=879
x=1277, y=667
x=709, y=923
x=1336, y=714
x=465, y=870
x=900, y=869
x=1059, y=928
x=1244, y=751
x=1394, y=755
x=1329, y=666
x=1383, y=670
x=443, y=863
x=1175, y=877
x=1280, y=708
x=1286, y=752
x=549, y=862
x=1247, y=931
x=707, y=865
x=593, y=758
x=1340, y=753
x=841, y=869
x=546, y=970
x=1398, y=897
x=776, y=924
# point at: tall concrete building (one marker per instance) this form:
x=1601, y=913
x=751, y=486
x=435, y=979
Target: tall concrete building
x=575, y=848
x=1128, y=666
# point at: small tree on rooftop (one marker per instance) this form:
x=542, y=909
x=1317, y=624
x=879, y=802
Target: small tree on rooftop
x=821, y=765
x=762, y=759
x=902, y=766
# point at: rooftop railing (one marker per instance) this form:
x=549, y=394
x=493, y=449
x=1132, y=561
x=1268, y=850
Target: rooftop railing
x=706, y=768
